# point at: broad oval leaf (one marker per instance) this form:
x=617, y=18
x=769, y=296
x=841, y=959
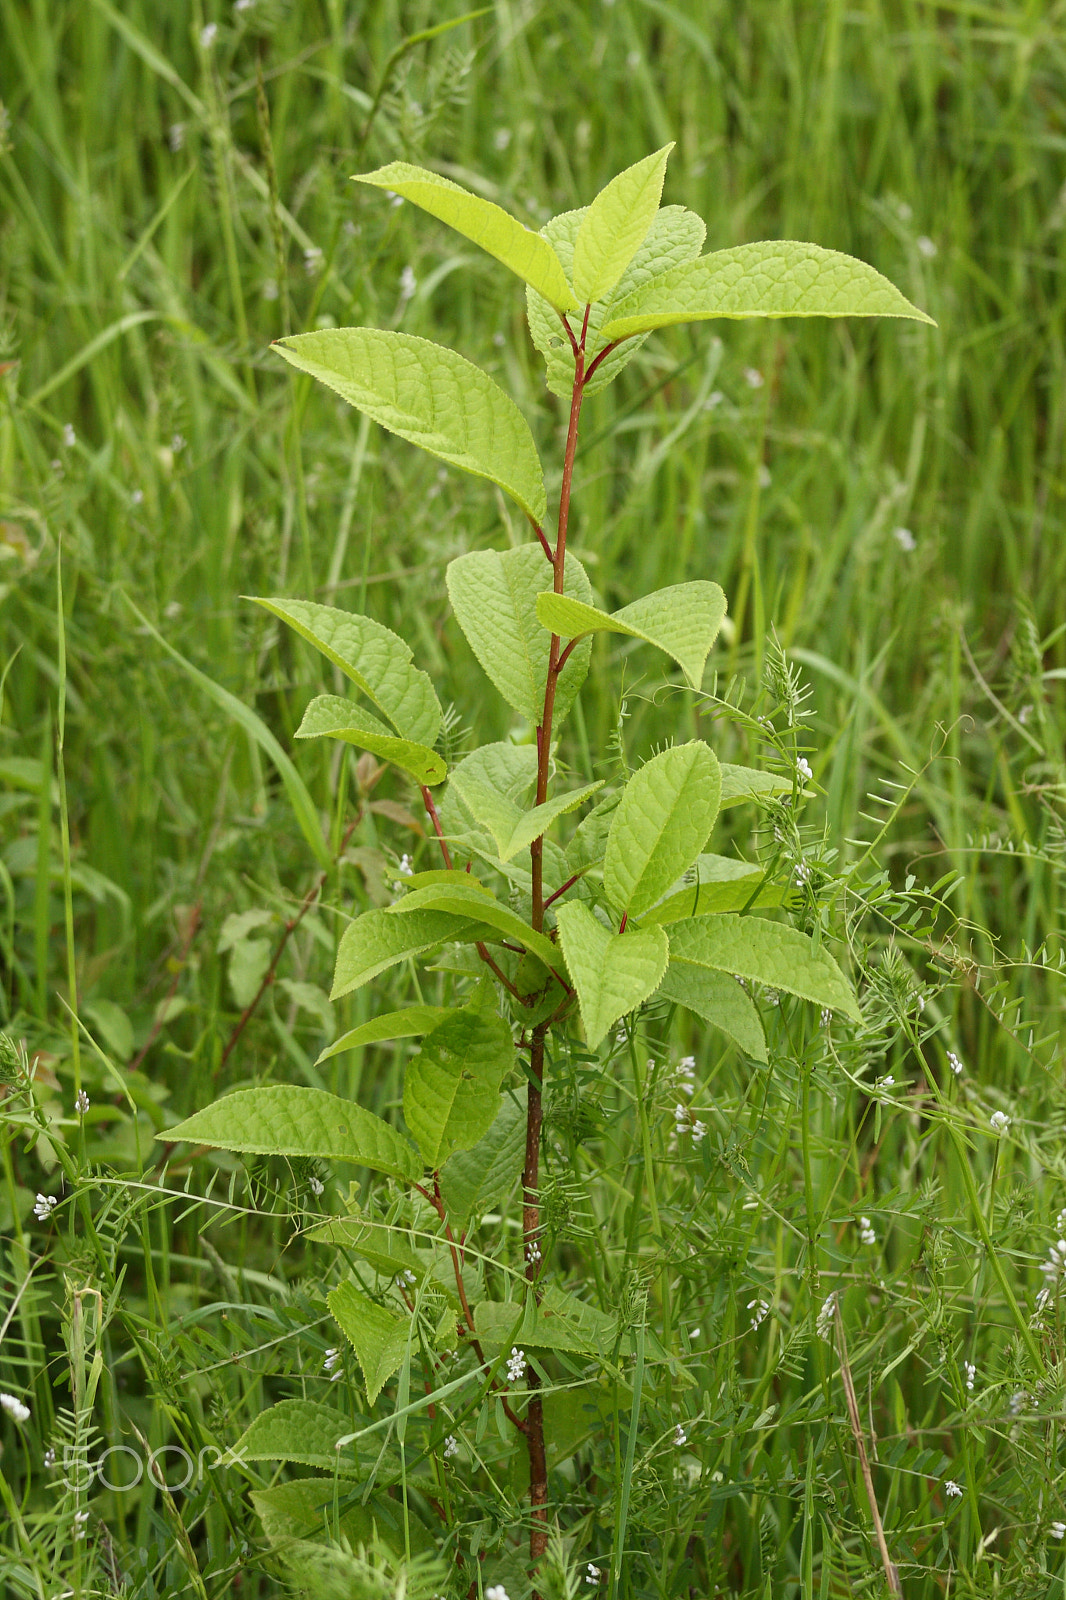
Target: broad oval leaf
x=748, y=783
x=675, y=236
x=721, y=884
x=718, y=998
x=333, y=717
x=684, y=620
x=297, y=1430
x=405, y=1024
x=481, y=1176
x=376, y=660
x=431, y=396
x=767, y=952
x=494, y=596
x=479, y=907
x=451, y=1088
x=377, y=940
x=774, y=278
x=512, y=827
x=527, y=254
x=615, y=224
x=559, y=1322
x=661, y=825
x=294, y=1120
x=613, y=973
x=378, y=1337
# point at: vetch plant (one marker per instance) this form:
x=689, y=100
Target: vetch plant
x=566, y=924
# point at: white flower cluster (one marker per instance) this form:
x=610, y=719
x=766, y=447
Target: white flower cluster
x=866, y=1231
x=954, y=1063
x=953, y=1490
x=405, y=868
x=592, y=1573
x=1057, y=1530
x=335, y=1371
x=680, y=1436
x=686, y=1075
x=14, y=1407
x=1000, y=1122
x=46, y=1204
x=971, y=1373
x=81, y=1102
x=451, y=1446
x=685, y=1122
x=516, y=1366
x=804, y=769
x=801, y=875
x=80, y=1519
x=533, y=1253
x=823, y=1326
x=760, y=1310
x=497, y=1592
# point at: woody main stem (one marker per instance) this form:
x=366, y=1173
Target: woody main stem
x=538, y=1467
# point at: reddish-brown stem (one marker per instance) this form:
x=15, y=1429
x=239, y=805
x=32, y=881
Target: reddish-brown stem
x=539, y=531
x=498, y=972
x=602, y=355
x=427, y=799
x=564, y=658
x=569, y=884
x=622, y=924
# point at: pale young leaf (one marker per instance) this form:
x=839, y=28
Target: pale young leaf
x=661, y=825
x=615, y=225
x=378, y=1337
x=377, y=940
x=333, y=717
x=682, y=620
x=766, y=952
x=718, y=999
x=451, y=1088
x=613, y=973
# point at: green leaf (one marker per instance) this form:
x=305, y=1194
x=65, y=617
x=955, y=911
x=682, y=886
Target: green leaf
x=378, y=1338
x=293, y=1120
x=377, y=940
x=478, y=905
x=722, y=884
x=376, y=660
x=718, y=998
x=675, y=236
x=385, y=1248
x=431, y=396
x=337, y=718
x=662, y=823
x=297, y=1430
x=303, y=806
x=586, y=849
x=494, y=595
x=527, y=254
x=451, y=1089
x=613, y=973
x=746, y=783
x=512, y=827
x=767, y=952
x=305, y=1508
x=683, y=620
x=482, y=1176
x=615, y=225
x=774, y=278
x=405, y=1024
x=560, y=1322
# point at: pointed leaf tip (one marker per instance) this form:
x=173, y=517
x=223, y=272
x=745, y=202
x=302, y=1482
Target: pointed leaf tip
x=615, y=225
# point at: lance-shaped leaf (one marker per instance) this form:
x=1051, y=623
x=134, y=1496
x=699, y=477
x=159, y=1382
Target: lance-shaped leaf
x=385, y=1248
x=294, y=1120
x=376, y=941
x=718, y=999
x=333, y=717
x=512, y=827
x=378, y=1337
x=405, y=1024
x=480, y=908
x=376, y=660
x=661, y=825
x=430, y=396
x=451, y=1088
x=747, y=783
x=527, y=254
x=767, y=952
x=683, y=620
x=297, y=1430
x=613, y=973
x=494, y=595
x=481, y=1176
x=675, y=236
x=721, y=884
x=615, y=224
x=775, y=278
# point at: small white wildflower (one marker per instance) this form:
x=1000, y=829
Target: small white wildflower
x=694, y=1333
x=405, y=868
x=952, y=1489
x=713, y=400
x=823, y=1326
x=681, y=1115
x=904, y=538
x=501, y=138
x=395, y=200
x=498, y=340
x=177, y=443
x=866, y=1231
x=827, y=1016
x=497, y=1592
x=137, y=497
x=316, y=1186
x=81, y=1102
x=592, y=1573
x=803, y=767
x=49, y=1458
x=80, y=1519
x=516, y=1365
x=533, y=1253
x=772, y=997
x=699, y=1132
x=1060, y=1221
x=176, y=137
x=244, y=5
x=331, y=1358
x=926, y=247
x=312, y=260
x=408, y=283
x=14, y=1407
x=753, y=378
x=56, y=466
x=1057, y=1530
x=919, y=1001
x=1024, y=714
x=970, y=1370
x=1000, y=1122
x=46, y=1204
x=451, y=1446
x=269, y=291
x=760, y=1310
x=1043, y=1300
x=954, y=1063
x=883, y=1085
x=802, y=874
x=208, y=35
x=680, y=1436
x=70, y=438
x=1018, y=1402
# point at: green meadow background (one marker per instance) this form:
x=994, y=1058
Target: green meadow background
x=891, y=499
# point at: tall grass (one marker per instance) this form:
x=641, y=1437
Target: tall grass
x=893, y=503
